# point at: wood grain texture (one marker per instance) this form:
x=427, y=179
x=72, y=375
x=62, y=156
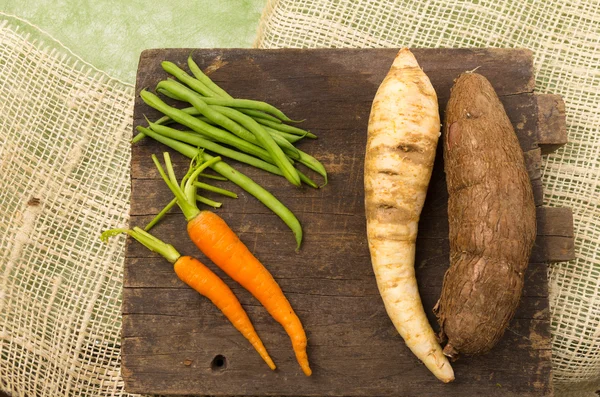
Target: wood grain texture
x=171, y=334
x=552, y=133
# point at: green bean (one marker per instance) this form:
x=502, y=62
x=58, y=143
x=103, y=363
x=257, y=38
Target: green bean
x=287, y=128
x=164, y=120
x=261, y=194
x=194, y=112
x=239, y=179
x=215, y=189
x=197, y=140
x=173, y=138
x=233, y=103
x=257, y=114
x=313, y=164
x=182, y=76
x=197, y=72
x=250, y=112
x=178, y=91
x=247, y=121
x=273, y=132
x=203, y=78
x=207, y=201
x=167, y=94
x=202, y=127
x=262, y=136
x=277, y=135
x=287, y=136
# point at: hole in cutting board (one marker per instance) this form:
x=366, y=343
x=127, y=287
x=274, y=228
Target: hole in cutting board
x=219, y=363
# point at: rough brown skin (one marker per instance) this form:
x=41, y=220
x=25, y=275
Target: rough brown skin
x=491, y=215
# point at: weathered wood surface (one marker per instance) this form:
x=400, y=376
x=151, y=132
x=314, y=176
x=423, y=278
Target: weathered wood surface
x=171, y=334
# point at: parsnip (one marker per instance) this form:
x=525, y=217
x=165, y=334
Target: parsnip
x=404, y=128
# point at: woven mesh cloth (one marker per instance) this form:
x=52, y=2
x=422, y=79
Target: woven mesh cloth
x=64, y=162
x=565, y=38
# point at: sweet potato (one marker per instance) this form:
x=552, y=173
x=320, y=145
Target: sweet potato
x=491, y=215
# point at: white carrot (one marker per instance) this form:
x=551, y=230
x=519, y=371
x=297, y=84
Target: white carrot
x=404, y=128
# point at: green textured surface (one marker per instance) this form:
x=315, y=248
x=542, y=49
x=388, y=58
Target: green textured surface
x=111, y=34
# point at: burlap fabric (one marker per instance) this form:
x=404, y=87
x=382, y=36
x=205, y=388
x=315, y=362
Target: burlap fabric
x=64, y=164
x=565, y=38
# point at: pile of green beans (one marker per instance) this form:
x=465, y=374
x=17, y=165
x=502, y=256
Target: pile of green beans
x=248, y=131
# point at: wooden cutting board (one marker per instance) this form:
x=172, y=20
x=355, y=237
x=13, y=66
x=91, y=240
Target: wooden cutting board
x=175, y=342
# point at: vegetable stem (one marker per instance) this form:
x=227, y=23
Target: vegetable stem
x=239, y=179
x=215, y=177
x=149, y=241
x=215, y=189
x=160, y=215
x=209, y=202
x=189, y=210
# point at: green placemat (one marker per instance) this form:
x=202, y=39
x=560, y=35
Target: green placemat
x=111, y=34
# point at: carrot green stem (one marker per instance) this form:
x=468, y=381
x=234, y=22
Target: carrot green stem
x=160, y=215
x=209, y=202
x=215, y=177
x=190, y=210
x=211, y=188
x=149, y=241
x=189, y=185
x=169, y=166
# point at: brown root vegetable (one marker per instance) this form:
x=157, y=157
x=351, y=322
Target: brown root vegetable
x=491, y=216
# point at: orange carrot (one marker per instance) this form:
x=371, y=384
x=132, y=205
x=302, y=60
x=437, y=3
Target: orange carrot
x=195, y=274
x=218, y=242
